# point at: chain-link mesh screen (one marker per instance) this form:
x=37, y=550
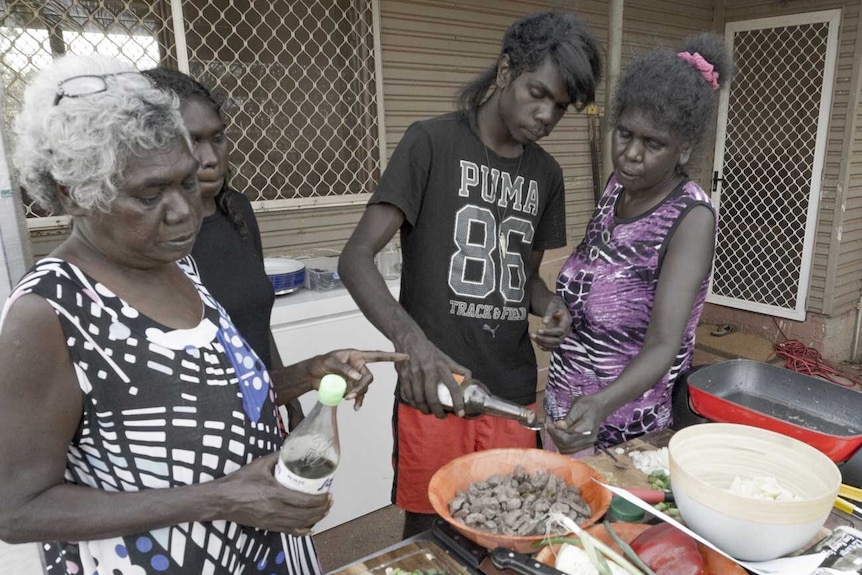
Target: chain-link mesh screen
x=297, y=78
x=33, y=32
x=769, y=151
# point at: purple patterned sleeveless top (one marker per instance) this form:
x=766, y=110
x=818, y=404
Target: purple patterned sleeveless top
x=609, y=284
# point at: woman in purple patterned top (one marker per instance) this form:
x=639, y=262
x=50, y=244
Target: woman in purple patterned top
x=636, y=284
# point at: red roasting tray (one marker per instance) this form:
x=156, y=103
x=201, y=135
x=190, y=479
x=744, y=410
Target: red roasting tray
x=820, y=413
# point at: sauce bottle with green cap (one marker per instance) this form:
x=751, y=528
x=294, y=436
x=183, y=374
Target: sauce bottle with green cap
x=310, y=453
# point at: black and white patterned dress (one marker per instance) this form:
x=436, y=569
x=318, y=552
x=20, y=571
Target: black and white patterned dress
x=163, y=408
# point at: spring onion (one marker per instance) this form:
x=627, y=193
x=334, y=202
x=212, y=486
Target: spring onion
x=558, y=519
x=627, y=550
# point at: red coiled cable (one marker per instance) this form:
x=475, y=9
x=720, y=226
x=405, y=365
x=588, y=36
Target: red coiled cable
x=803, y=359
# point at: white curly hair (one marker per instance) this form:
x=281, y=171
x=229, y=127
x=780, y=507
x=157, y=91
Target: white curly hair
x=83, y=142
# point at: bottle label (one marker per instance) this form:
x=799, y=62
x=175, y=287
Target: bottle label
x=296, y=482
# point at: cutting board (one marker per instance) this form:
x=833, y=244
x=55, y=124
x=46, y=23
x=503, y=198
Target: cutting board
x=631, y=477
x=420, y=555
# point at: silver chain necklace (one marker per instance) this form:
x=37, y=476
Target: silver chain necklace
x=501, y=236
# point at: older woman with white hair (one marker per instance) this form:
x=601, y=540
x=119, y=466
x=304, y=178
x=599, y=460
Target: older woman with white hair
x=128, y=443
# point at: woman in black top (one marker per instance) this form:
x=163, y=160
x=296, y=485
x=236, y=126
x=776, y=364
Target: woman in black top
x=228, y=253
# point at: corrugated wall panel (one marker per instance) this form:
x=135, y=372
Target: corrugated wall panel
x=851, y=247
x=849, y=285
x=854, y=187
x=735, y=10
x=834, y=287
x=844, y=290
x=669, y=21
x=307, y=232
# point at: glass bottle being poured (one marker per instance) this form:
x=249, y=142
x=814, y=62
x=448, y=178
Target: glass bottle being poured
x=479, y=401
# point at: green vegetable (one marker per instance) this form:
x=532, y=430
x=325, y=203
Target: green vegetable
x=595, y=557
x=557, y=540
x=629, y=552
x=569, y=525
x=659, y=480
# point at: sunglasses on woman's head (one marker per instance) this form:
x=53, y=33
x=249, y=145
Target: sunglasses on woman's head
x=89, y=84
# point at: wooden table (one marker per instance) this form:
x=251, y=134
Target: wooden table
x=631, y=477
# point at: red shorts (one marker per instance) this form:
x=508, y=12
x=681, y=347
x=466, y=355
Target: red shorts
x=424, y=444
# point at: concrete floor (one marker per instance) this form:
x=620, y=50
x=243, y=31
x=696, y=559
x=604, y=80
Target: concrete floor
x=359, y=538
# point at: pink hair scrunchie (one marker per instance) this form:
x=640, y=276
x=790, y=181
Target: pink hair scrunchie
x=700, y=64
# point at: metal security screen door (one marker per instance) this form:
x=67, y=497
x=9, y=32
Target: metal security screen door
x=769, y=155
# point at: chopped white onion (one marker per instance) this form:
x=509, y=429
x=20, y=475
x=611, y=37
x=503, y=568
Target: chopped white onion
x=651, y=461
x=574, y=561
x=766, y=488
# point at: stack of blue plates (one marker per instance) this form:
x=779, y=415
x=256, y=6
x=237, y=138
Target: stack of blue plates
x=286, y=275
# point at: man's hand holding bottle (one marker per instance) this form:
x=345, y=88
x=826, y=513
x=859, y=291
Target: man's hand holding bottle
x=427, y=368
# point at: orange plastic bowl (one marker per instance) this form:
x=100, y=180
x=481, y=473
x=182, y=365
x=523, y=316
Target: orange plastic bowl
x=460, y=473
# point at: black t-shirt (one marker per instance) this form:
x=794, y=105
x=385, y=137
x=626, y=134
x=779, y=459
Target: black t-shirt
x=461, y=203
x=231, y=268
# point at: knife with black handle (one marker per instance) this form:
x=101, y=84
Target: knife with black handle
x=520, y=563
x=480, y=559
